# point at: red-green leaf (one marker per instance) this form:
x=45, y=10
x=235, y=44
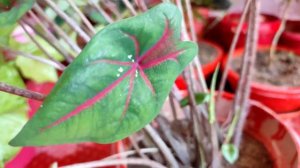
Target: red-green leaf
x=116, y=85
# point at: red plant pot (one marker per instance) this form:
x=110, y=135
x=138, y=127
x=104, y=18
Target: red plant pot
x=291, y=36
x=199, y=22
x=207, y=69
x=40, y=157
x=279, y=99
x=224, y=32
x=268, y=128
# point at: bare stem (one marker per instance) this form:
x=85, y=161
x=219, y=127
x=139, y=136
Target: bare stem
x=48, y=36
x=59, y=31
x=33, y=57
x=279, y=31
x=130, y=7
x=62, y=67
x=162, y=146
x=241, y=102
x=21, y=92
x=143, y=151
x=232, y=48
x=137, y=148
x=69, y=20
x=100, y=10
x=82, y=16
x=141, y=4
x=105, y=163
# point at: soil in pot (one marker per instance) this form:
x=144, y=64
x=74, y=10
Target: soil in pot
x=283, y=70
x=207, y=53
x=252, y=154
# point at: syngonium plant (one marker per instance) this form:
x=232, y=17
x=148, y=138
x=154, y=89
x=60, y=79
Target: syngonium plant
x=116, y=85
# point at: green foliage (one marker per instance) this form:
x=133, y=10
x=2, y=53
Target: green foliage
x=200, y=99
x=116, y=85
x=11, y=14
x=45, y=73
x=12, y=112
x=230, y=152
x=211, y=107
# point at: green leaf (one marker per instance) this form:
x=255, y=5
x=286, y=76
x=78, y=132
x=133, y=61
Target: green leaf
x=12, y=112
x=117, y=84
x=230, y=152
x=200, y=99
x=11, y=13
x=211, y=107
x=10, y=124
x=9, y=102
x=45, y=73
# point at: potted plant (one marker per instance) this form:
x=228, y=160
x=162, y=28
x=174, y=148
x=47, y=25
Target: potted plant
x=227, y=27
x=291, y=36
x=275, y=81
x=210, y=55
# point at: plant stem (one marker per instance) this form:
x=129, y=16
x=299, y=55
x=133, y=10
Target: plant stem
x=162, y=146
x=143, y=151
x=21, y=92
x=279, y=31
x=62, y=67
x=243, y=91
x=100, y=10
x=82, y=16
x=49, y=37
x=130, y=7
x=59, y=31
x=105, y=163
x=232, y=48
x=141, y=4
x=172, y=105
x=137, y=148
x=69, y=20
x=33, y=57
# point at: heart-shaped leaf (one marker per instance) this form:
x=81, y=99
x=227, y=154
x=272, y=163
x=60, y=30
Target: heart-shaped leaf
x=116, y=85
x=11, y=11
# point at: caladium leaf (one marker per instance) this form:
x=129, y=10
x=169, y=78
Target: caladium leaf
x=11, y=11
x=116, y=85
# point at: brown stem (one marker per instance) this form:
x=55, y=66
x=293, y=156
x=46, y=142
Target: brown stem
x=105, y=163
x=100, y=10
x=59, y=31
x=141, y=4
x=162, y=146
x=62, y=67
x=48, y=36
x=82, y=16
x=172, y=105
x=232, y=48
x=69, y=21
x=30, y=56
x=130, y=7
x=136, y=147
x=279, y=31
x=241, y=102
x=21, y=92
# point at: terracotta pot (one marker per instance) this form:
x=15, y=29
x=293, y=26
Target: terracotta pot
x=291, y=36
x=65, y=154
x=279, y=99
x=223, y=33
x=208, y=69
x=270, y=129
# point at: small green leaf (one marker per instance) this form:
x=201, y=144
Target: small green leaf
x=230, y=152
x=200, y=99
x=116, y=85
x=12, y=112
x=211, y=107
x=14, y=11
